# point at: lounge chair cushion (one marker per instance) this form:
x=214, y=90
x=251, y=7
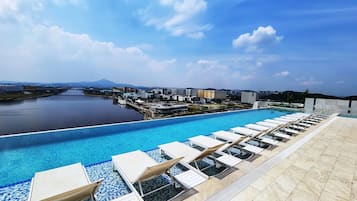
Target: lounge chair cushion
x=177, y=149
x=133, y=164
x=56, y=181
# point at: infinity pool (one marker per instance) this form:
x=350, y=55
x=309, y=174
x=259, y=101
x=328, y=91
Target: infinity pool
x=23, y=155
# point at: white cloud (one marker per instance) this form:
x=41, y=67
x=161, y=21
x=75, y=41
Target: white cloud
x=282, y=74
x=48, y=53
x=260, y=37
x=310, y=82
x=214, y=73
x=69, y=2
x=182, y=21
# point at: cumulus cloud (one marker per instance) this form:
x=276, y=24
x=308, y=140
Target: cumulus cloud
x=181, y=21
x=310, y=82
x=69, y=2
x=48, y=53
x=282, y=74
x=215, y=74
x=260, y=37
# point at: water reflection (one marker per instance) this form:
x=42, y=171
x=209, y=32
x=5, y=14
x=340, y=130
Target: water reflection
x=69, y=109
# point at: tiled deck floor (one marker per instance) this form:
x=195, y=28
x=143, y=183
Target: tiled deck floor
x=324, y=168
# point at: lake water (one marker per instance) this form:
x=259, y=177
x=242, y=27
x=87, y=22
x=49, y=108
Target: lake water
x=69, y=109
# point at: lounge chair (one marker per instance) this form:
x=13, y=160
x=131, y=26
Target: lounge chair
x=309, y=122
x=283, y=120
x=231, y=137
x=257, y=127
x=137, y=167
x=275, y=121
x=189, y=154
x=207, y=142
x=267, y=124
x=296, y=127
x=282, y=135
x=69, y=182
x=245, y=131
x=303, y=124
x=288, y=130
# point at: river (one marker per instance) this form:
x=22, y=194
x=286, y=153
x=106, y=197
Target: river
x=69, y=109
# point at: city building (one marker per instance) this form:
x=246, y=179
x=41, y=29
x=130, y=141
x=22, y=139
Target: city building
x=165, y=108
x=248, y=97
x=212, y=94
x=191, y=92
x=9, y=88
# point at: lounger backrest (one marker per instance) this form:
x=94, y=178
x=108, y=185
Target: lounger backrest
x=238, y=141
x=209, y=151
x=80, y=193
x=158, y=169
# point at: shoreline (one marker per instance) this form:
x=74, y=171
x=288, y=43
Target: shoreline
x=32, y=96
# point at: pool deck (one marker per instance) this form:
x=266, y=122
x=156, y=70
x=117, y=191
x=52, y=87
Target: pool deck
x=318, y=164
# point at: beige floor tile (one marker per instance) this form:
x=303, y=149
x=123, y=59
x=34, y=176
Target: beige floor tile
x=328, y=196
x=302, y=193
x=286, y=183
x=247, y=194
x=315, y=180
x=262, y=182
x=296, y=173
x=339, y=189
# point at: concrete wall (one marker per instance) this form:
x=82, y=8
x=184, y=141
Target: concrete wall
x=330, y=106
x=219, y=94
x=248, y=97
x=354, y=108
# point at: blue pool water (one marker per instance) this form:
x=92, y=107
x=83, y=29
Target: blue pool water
x=22, y=156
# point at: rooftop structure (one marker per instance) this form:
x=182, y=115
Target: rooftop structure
x=166, y=108
x=212, y=94
x=248, y=97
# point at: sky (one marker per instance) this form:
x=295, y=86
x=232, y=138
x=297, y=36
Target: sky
x=236, y=44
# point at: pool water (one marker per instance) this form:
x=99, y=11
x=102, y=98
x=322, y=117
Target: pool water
x=22, y=156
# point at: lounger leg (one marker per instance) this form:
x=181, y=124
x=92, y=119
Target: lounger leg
x=141, y=189
x=196, y=165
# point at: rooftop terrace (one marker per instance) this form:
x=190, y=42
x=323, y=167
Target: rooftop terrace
x=319, y=164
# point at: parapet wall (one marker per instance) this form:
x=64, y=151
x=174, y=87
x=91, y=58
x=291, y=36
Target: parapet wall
x=330, y=106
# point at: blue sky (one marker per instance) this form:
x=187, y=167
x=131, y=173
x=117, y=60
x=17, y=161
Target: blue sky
x=242, y=44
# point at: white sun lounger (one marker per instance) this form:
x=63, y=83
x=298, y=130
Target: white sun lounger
x=275, y=122
x=310, y=122
x=290, y=130
x=283, y=120
x=245, y=131
x=69, y=182
x=189, y=154
x=228, y=136
x=290, y=118
x=207, y=142
x=297, y=127
x=251, y=148
x=267, y=124
x=303, y=124
x=257, y=127
x=282, y=135
x=269, y=140
x=137, y=166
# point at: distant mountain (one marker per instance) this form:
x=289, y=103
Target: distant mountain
x=103, y=83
